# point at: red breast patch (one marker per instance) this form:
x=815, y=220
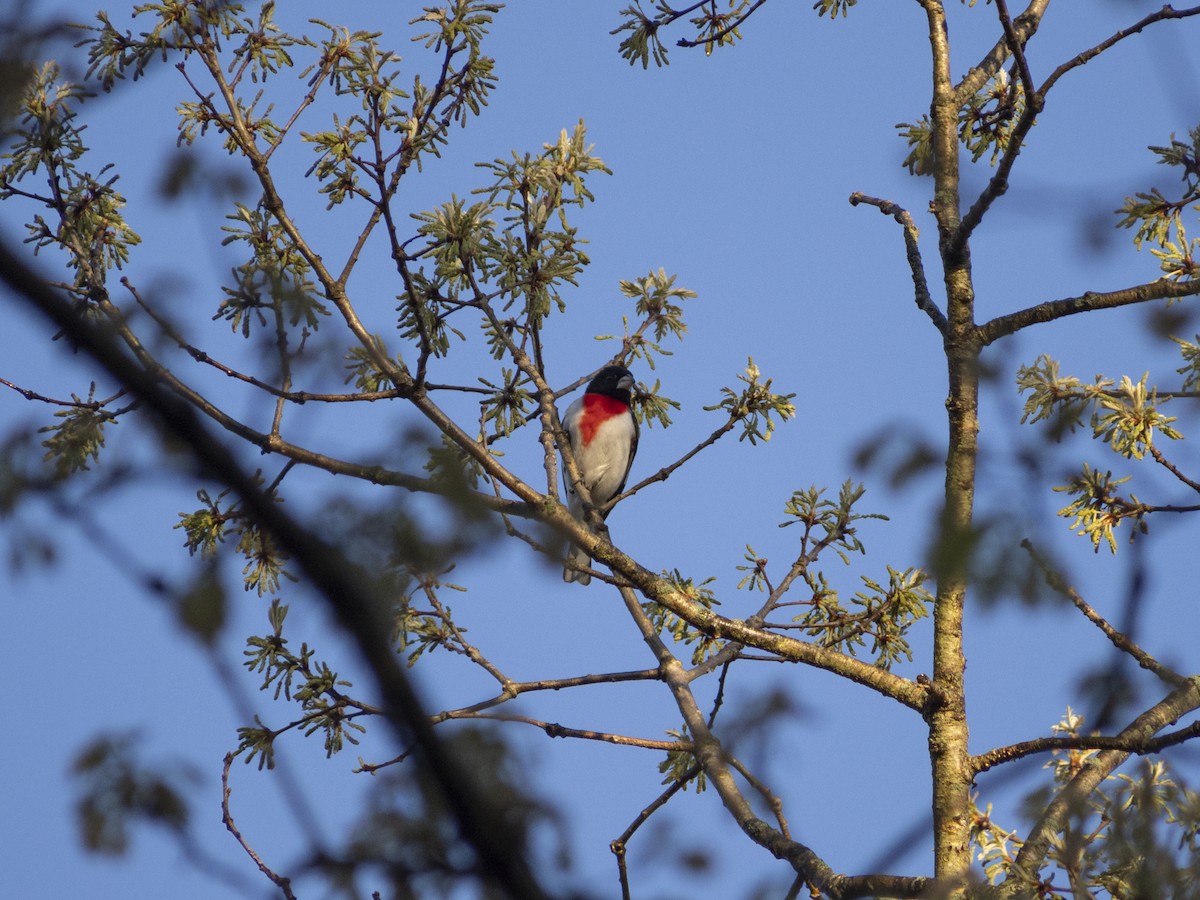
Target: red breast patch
x=597, y=409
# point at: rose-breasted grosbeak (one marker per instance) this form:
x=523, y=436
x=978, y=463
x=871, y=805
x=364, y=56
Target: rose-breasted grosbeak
x=604, y=439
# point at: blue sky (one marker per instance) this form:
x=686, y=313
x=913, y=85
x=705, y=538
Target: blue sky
x=733, y=172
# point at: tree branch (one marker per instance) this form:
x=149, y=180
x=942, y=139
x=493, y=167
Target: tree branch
x=912, y=250
x=283, y=883
x=1035, y=100
x=514, y=689
x=716, y=765
x=1167, y=12
x=342, y=585
x=1000, y=755
x=1032, y=855
x=1024, y=27
x=1002, y=326
x=555, y=730
x=716, y=37
x=618, y=845
x=1121, y=641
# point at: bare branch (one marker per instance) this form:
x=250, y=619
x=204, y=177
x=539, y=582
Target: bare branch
x=1000, y=755
x=619, y=844
x=555, y=730
x=93, y=405
x=284, y=884
x=1167, y=12
x=514, y=689
x=913, y=252
x=1162, y=460
x=1002, y=326
x=1121, y=641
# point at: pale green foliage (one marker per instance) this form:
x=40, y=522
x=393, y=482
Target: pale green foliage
x=1190, y=370
x=517, y=241
x=420, y=629
x=882, y=613
x=1053, y=395
x=507, y=408
x=1157, y=218
x=755, y=406
x=277, y=276
x=363, y=367
x=300, y=677
x=756, y=579
x=643, y=43
x=985, y=125
x=538, y=250
x=205, y=528
x=1125, y=416
x=680, y=763
x=76, y=438
x=649, y=406
x=997, y=846
x=653, y=298
x=714, y=24
x=715, y=28
x=264, y=560
x=1134, y=837
x=834, y=8
x=834, y=518
x=681, y=631
x=1098, y=509
x=47, y=142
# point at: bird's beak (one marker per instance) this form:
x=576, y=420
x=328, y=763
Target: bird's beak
x=626, y=383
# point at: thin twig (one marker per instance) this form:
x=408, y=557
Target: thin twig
x=716, y=37
x=619, y=844
x=1170, y=467
x=1121, y=641
x=913, y=251
x=1002, y=326
x=1000, y=755
x=555, y=730
x=283, y=883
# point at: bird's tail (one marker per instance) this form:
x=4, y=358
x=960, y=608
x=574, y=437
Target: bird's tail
x=576, y=557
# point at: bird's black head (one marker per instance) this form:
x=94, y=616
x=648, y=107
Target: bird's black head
x=613, y=381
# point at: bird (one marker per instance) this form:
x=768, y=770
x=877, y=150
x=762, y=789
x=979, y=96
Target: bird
x=604, y=439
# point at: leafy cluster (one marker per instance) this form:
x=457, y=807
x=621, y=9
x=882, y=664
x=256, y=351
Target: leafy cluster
x=679, y=766
x=986, y=122
x=884, y=614
x=681, y=631
x=86, y=223
x=713, y=25
x=1125, y=416
x=1135, y=836
x=1157, y=218
x=76, y=438
x=207, y=528
x=756, y=405
x=276, y=277
x=309, y=682
x=418, y=630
